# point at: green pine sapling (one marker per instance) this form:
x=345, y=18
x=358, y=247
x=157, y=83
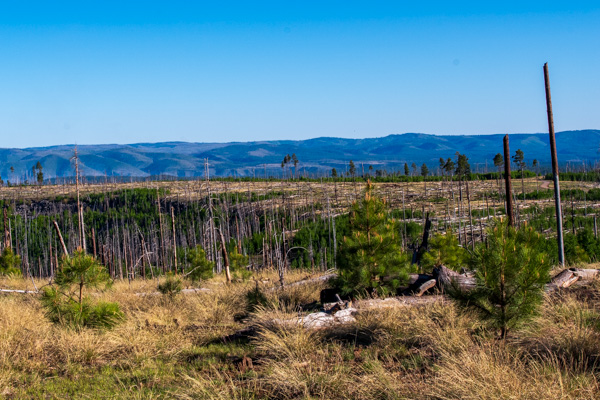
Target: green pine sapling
x=9, y=263
x=445, y=250
x=510, y=274
x=371, y=258
x=201, y=268
x=65, y=302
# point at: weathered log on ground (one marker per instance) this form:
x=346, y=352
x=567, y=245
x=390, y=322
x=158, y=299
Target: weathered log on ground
x=563, y=279
x=336, y=317
x=19, y=291
x=400, y=301
x=568, y=277
x=587, y=274
x=448, y=279
x=184, y=291
x=322, y=278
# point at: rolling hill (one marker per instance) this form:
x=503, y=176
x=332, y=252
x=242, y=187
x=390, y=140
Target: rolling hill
x=319, y=155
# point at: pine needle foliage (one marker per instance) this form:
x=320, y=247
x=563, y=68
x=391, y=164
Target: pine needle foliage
x=445, y=250
x=201, y=269
x=238, y=264
x=371, y=260
x=171, y=287
x=65, y=303
x=9, y=263
x=511, y=272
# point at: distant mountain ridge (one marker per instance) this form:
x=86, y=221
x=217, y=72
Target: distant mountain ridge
x=319, y=155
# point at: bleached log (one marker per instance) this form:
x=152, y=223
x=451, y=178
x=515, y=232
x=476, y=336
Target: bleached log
x=322, y=278
x=563, y=279
x=400, y=301
x=184, y=291
x=587, y=274
x=568, y=277
x=449, y=279
x=18, y=291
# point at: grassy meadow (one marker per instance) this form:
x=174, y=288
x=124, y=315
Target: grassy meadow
x=178, y=348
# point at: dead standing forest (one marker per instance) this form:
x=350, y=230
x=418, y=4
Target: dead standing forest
x=145, y=229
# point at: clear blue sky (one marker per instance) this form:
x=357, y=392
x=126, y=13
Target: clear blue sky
x=144, y=71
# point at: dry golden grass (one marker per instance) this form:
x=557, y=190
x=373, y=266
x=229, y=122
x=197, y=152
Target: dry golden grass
x=173, y=349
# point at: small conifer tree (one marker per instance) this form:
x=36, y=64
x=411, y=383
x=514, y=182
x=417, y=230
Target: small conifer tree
x=200, y=268
x=238, y=265
x=445, y=250
x=511, y=272
x=371, y=258
x=9, y=263
x=65, y=302
x=171, y=287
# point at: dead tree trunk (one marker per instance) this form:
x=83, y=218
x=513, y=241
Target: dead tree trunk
x=559, y=230
x=508, y=182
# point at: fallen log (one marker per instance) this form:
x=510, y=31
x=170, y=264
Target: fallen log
x=184, y=291
x=587, y=274
x=327, y=319
x=322, y=278
x=18, y=291
x=568, y=277
x=400, y=301
x=563, y=279
x=448, y=279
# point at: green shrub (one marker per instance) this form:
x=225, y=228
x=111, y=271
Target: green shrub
x=574, y=253
x=589, y=243
x=69, y=312
x=9, y=263
x=445, y=250
x=370, y=259
x=64, y=301
x=200, y=268
x=171, y=287
x=238, y=264
x=511, y=273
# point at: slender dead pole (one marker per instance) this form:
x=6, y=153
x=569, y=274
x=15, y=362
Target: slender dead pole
x=7, y=238
x=94, y=241
x=79, y=211
x=559, y=225
x=225, y=257
x=508, y=182
x=174, y=237
x=160, y=227
x=62, y=242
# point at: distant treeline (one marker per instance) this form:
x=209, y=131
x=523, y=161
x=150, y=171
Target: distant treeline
x=380, y=176
x=592, y=176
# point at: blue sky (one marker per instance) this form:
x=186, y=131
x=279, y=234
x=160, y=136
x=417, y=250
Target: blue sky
x=144, y=71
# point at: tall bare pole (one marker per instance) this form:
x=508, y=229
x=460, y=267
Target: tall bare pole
x=79, y=210
x=62, y=242
x=160, y=227
x=174, y=239
x=508, y=182
x=7, y=238
x=559, y=225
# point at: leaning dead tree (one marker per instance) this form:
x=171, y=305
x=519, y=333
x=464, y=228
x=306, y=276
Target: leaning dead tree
x=555, y=179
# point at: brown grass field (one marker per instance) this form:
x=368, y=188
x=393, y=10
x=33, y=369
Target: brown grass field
x=174, y=349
